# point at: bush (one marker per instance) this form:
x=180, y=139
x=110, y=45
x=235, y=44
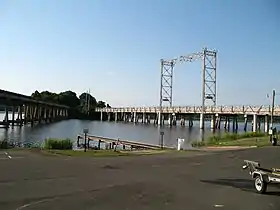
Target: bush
x=59, y=144
x=4, y=145
x=213, y=140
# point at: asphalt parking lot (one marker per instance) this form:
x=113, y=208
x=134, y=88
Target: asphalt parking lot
x=188, y=180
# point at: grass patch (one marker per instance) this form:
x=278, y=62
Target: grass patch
x=88, y=153
x=234, y=139
x=103, y=153
x=58, y=144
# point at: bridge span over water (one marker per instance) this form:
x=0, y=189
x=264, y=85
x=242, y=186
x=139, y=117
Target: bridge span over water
x=28, y=110
x=227, y=114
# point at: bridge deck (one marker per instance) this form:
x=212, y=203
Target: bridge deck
x=27, y=99
x=240, y=110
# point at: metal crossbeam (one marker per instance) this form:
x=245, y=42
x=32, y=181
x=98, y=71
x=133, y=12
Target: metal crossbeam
x=209, y=59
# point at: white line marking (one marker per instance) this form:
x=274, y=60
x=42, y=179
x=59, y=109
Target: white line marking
x=10, y=157
x=34, y=203
x=6, y=158
x=218, y=205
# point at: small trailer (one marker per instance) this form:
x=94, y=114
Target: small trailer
x=262, y=176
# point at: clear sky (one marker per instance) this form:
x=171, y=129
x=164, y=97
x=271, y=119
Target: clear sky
x=114, y=47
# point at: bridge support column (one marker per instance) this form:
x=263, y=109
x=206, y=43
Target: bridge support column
x=183, y=121
x=148, y=119
x=234, y=123
x=266, y=124
x=13, y=116
x=201, y=121
x=255, y=118
x=116, y=116
x=170, y=120
x=109, y=116
x=19, y=117
x=213, y=122
x=144, y=118
x=6, y=118
x=45, y=114
x=190, y=121
x=101, y=116
x=218, y=122
x=174, y=119
x=25, y=113
x=245, y=122
x=159, y=118
x=227, y=123
x=134, y=117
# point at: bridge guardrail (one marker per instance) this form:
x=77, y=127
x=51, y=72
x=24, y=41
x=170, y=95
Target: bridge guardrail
x=261, y=110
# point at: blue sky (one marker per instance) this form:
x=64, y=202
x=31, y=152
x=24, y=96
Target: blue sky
x=114, y=47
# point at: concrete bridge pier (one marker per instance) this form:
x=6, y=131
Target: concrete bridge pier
x=190, y=121
x=148, y=119
x=170, y=120
x=234, y=123
x=227, y=123
x=254, y=126
x=266, y=123
x=109, y=116
x=245, y=122
x=174, y=119
x=144, y=119
x=19, y=116
x=183, y=121
x=13, y=116
x=135, y=119
x=6, y=118
x=159, y=118
x=218, y=122
x=213, y=122
x=101, y=116
x=116, y=116
x=201, y=121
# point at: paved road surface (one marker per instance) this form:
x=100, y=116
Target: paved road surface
x=194, y=181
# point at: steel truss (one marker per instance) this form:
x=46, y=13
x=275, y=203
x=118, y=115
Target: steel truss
x=209, y=62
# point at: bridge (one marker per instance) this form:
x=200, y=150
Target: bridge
x=217, y=114
x=29, y=110
x=208, y=108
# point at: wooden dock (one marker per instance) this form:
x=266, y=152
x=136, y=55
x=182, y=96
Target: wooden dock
x=132, y=144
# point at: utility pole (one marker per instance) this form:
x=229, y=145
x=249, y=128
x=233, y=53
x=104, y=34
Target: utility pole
x=272, y=108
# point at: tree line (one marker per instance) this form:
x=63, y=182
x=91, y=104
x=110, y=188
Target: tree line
x=82, y=106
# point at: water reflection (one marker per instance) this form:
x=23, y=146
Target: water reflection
x=126, y=131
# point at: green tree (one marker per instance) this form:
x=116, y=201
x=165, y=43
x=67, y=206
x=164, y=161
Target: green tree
x=85, y=104
x=101, y=104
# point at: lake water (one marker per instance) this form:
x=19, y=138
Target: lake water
x=127, y=131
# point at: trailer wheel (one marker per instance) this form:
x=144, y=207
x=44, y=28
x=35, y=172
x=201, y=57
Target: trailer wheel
x=260, y=185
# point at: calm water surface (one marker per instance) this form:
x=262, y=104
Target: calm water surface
x=128, y=131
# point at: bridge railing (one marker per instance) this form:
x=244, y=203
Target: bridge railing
x=261, y=110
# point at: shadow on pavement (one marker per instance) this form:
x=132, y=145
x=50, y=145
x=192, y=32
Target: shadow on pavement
x=243, y=184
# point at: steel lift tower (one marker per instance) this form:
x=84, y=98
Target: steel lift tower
x=209, y=91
